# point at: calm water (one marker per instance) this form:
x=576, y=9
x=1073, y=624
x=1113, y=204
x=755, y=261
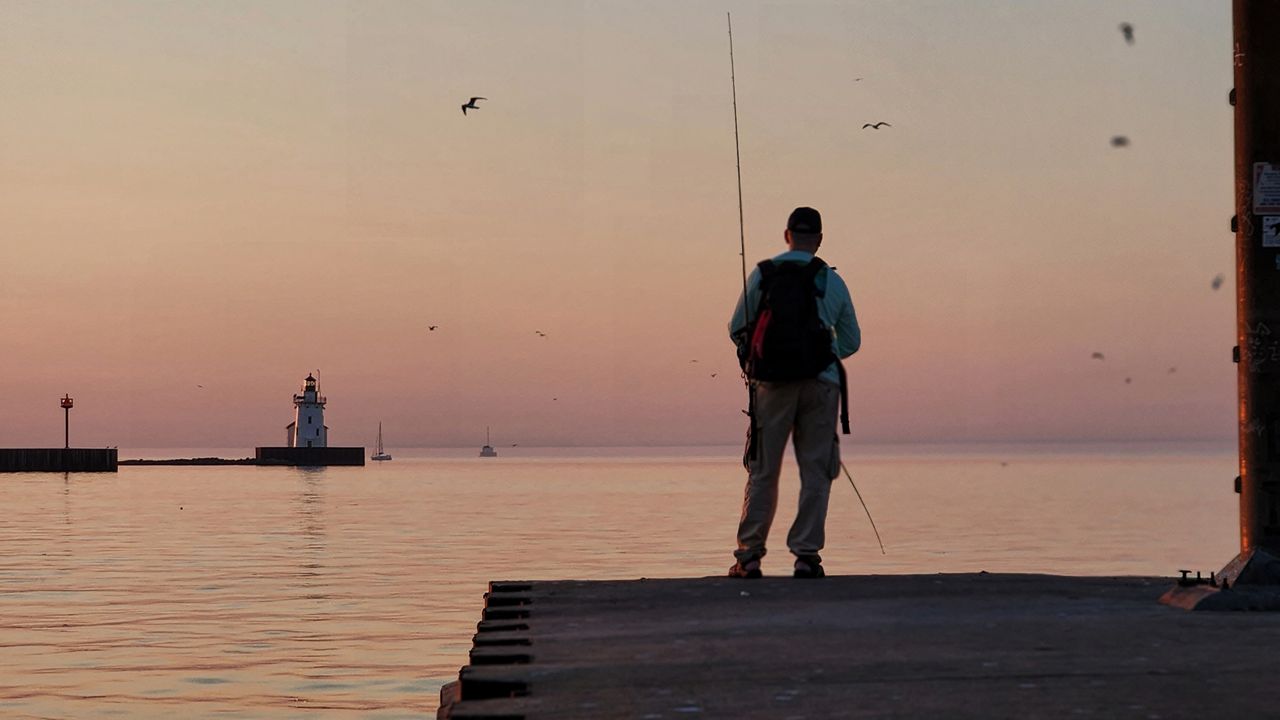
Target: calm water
x=353, y=592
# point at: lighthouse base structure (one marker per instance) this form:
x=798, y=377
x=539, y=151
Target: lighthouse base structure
x=309, y=456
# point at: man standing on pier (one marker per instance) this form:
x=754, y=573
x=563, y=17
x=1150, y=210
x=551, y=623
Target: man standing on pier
x=791, y=326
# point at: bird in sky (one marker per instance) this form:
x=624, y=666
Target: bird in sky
x=875, y=126
x=1173, y=370
x=1098, y=356
x=1128, y=380
x=1126, y=29
x=1119, y=141
x=857, y=79
x=714, y=374
x=1218, y=280
x=540, y=333
x=515, y=444
x=693, y=361
x=472, y=104
x=200, y=386
x=432, y=328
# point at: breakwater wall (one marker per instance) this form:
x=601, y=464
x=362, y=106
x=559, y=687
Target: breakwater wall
x=58, y=460
x=193, y=461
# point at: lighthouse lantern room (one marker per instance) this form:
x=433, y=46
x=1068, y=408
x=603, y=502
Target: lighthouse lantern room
x=308, y=428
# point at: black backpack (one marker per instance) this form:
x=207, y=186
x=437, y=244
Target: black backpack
x=787, y=340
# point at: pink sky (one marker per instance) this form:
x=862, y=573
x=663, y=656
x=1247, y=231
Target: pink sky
x=234, y=194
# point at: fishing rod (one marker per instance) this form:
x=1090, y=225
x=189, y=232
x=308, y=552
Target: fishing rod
x=742, y=230
x=752, y=444
x=752, y=449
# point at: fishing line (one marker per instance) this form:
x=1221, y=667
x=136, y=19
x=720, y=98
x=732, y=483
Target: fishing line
x=864, y=507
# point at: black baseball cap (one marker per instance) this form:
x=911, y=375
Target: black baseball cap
x=805, y=220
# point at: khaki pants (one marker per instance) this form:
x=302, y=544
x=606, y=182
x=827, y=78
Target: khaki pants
x=805, y=410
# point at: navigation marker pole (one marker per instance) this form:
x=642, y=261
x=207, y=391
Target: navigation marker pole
x=67, y=404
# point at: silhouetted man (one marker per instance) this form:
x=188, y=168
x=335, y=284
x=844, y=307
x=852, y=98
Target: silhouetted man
x=794, y=322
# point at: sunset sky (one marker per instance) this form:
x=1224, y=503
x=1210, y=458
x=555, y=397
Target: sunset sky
x=233, y=194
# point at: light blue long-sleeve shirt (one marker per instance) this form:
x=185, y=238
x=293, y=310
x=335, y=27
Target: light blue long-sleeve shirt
x=835, y=309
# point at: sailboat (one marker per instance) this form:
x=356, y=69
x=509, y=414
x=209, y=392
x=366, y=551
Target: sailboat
x=487, y=450
x=381, y=454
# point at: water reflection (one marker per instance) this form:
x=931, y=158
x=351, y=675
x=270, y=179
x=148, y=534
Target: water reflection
x=310, y=513
x=274, y=592
x=66, y=498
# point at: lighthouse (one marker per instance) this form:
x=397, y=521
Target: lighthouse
x=308, y=443
x=308, y=428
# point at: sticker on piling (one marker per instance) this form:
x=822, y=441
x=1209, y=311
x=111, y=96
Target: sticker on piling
x=1271, y=231
x=1266, y=189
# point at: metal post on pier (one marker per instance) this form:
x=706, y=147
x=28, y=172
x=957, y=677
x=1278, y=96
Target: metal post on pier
x=1256, y=60
x=1252, y=579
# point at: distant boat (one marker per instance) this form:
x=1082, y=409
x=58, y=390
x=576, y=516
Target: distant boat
x=487, y=450
x=380, y=454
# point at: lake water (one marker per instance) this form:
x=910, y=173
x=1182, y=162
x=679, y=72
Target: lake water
x=247, y=592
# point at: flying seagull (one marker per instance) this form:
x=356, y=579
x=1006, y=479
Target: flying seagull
x=432, y=328
x=714, y=374
x=876, y=126
x=1218, y=280
x=1119, y=141
x=1127, y=30
x=472, y=104
x=1128, y=380
x=540, y=333
x=1097, y=356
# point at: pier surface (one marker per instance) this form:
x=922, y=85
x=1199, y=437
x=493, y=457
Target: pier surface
x=901, y=646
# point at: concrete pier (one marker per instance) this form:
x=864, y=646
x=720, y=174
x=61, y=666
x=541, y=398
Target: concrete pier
x=909, y=646
x=58, y=459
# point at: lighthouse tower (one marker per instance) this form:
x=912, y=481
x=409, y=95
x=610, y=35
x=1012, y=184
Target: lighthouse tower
x=308, y=428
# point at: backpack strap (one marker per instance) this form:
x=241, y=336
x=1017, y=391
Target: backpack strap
x=767, y=269
x=813, y=270
x=844, y=398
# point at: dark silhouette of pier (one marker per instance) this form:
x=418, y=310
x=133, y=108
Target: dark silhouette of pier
x=66, y=459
